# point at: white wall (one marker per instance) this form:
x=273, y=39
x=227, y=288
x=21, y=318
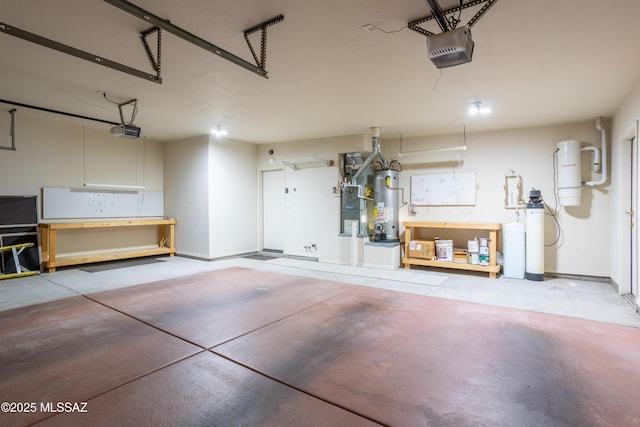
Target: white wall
x=186, y=181
x=312, y=212
x=211, y=191
x=232, y=198
x=69, y=152
x=584, y=250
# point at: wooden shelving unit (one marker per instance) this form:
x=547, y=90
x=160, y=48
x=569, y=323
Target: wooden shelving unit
x=49, y=234
x=492, y=229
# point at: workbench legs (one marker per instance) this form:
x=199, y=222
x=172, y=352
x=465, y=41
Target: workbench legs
x=16, y=250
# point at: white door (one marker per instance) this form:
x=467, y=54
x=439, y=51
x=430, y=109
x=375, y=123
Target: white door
x=273, y=210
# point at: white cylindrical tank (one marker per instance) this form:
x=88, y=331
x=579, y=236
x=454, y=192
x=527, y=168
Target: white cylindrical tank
x=535, y=241
x=513, y=248
x=569, y=173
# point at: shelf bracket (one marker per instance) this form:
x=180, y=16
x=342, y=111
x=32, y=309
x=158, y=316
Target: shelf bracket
x=307, y=163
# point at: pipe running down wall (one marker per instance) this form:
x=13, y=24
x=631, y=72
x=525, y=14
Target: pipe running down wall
x=603, y=157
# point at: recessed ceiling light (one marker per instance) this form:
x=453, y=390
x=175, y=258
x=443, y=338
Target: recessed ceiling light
x=477, y=108
x=218, y=132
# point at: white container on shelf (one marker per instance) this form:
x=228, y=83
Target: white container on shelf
x=444, y=250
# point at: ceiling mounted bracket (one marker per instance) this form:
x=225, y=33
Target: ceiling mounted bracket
x=134, y=103
x=51, y=44
x=185, y=35
x=438, y=15
x=481, y=12
x=262, y=27
x=154, y=61
x=415, y=25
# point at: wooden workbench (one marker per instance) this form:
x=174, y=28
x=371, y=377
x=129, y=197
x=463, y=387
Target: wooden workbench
x=493, y=233
x=49, y=235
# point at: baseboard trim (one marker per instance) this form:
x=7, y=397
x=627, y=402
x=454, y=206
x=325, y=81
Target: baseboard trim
x=283, y=255
x=581, y=277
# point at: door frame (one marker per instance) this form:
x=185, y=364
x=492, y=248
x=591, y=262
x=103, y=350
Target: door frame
x=630, y=199
x=634, y=195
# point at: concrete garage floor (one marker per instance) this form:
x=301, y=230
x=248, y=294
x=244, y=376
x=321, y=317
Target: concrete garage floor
x=287, y=342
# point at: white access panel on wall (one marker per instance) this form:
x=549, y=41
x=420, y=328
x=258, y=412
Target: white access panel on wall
x=66, y=203
x=453, y=189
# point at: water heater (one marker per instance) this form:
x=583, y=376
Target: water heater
x=386, y=206
x=569, y=173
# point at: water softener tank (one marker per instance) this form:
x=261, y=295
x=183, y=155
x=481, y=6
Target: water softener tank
x=386, y=206
x=535, y=237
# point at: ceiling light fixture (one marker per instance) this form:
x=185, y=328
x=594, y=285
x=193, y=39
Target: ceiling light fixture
x=218, y=132
x=476, y=109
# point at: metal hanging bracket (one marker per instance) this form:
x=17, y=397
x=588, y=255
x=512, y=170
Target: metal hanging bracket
x=159, y=24
x=262, y=27
x=133, y=102
x=42, y=41
x=154, y=61
x=185, y=35
x=12, y=132
x=440, y=16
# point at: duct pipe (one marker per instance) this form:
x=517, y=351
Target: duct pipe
x=596, y=158
x=375, y=142
x=604, y=177
x=359, y=187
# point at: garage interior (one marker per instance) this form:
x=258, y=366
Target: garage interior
x=274, y=213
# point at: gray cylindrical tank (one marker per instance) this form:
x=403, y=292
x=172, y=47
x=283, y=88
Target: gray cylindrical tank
x=386, y=206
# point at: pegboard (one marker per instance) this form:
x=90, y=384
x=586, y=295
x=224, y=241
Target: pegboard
x=453, y=189
x=80, y=203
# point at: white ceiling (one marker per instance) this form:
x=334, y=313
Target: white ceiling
x=536, y=62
